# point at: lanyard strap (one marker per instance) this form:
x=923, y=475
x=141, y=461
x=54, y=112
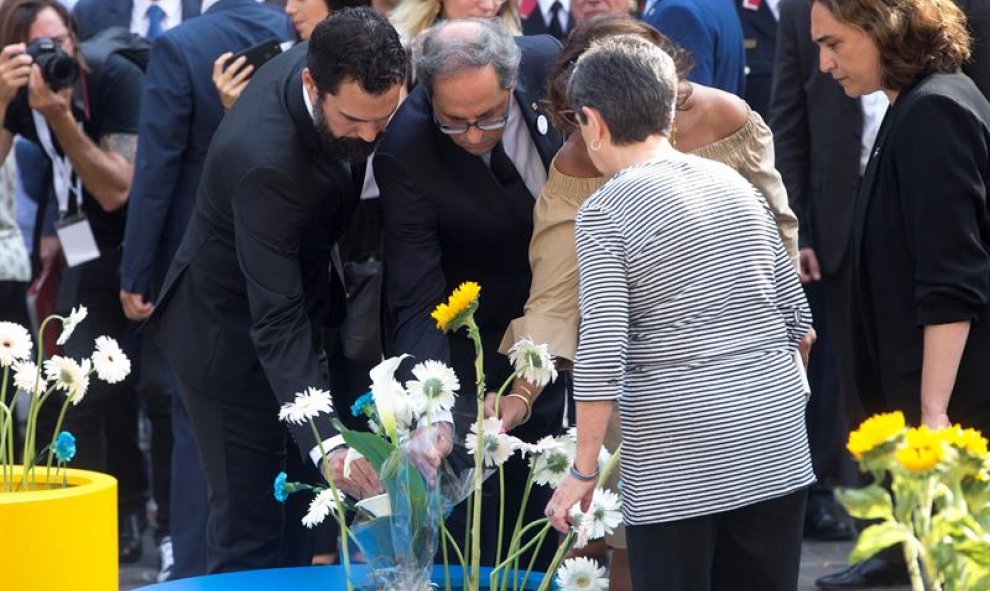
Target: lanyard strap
x=64, y=178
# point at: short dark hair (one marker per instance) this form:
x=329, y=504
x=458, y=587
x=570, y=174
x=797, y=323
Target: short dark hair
x=358, y=45
x=439, y=55
x=337, y=5
x=17, y=16
x=914, y=37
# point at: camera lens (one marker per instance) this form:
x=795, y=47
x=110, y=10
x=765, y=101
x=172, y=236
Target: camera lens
x=58, y=68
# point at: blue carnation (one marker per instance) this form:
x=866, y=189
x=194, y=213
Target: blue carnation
x=279, y=489
x=65, y=447
x=361, y=404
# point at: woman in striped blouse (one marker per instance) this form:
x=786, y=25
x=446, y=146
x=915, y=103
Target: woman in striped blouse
x=690, y=316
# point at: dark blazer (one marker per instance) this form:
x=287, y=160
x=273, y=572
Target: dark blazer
x=817, y=132
x=182, y=111
x=921, y=245
x=242, y=308
x=535, y=24
x=759, y=29
x=447, y=220
x=92, y=16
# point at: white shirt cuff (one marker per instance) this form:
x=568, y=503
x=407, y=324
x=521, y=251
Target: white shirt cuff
x=328, y=445
x=443, y=416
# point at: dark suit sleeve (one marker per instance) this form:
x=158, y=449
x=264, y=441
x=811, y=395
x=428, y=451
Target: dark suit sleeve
x=268, y=223
x=414, y=279
x=789, y=115
x=163, y=135
x=940, y=152
x=86, y=17
x=684, y=26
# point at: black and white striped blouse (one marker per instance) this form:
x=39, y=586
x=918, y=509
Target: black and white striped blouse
x=690, y=315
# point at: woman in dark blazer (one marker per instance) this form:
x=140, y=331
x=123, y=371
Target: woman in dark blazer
x=921, y=236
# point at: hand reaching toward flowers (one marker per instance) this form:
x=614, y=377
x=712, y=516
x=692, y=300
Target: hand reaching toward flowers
x=570, y=492
x=362, y=482
x=427, y=446
x=511, y=410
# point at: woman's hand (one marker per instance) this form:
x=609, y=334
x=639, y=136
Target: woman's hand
x=232, y=80
x=570, y=491
x=936, y=420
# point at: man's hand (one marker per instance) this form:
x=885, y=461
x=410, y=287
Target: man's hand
x=15, y=71
x=44, y=100
x=809, y=270
x=512, y=411
x=804, y=347
x=49, y=249
x=427, y=446
x=363, y=482
x=231, y=79
x=136, y=308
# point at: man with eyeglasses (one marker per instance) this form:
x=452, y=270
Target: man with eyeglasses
x=459, y=168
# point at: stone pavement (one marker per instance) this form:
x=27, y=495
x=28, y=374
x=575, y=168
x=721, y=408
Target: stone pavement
x=817, y=559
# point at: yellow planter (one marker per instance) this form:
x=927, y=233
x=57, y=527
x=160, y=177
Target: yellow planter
x=62, y=539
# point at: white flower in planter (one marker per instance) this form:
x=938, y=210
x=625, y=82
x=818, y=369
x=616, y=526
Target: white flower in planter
x=109, y=361
x=581, y=574
x=498, y=446
x=69, y=376
x=434, y=387
x=533, y=362
x=307, y=405
x=319, y=508
x=15, y=343
x=28, y=379
x=551, y=466
x=70, y=323
x=604, y=515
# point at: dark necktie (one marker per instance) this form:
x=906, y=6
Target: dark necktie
x=554, y=27
x=156, y=20
x=511, y=181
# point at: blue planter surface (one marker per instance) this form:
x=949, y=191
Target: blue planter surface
x=324, y=578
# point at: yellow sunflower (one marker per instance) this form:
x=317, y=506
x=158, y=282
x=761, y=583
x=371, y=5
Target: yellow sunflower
x=452, y=314
x=922, y=449
x=874, y=431
x=970, y=441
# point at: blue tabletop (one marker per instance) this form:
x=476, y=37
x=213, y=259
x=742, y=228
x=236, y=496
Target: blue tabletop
x=325, y=578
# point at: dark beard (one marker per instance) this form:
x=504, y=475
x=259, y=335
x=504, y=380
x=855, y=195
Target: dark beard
x=348, y=149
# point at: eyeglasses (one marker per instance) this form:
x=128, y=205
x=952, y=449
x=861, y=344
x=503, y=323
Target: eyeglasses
x=493, y=124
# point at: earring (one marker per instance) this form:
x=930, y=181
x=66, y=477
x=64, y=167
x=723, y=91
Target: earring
x=595, y=145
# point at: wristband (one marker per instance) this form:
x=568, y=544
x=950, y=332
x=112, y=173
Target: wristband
x=584, y=477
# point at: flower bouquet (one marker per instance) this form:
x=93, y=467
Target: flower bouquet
x=40, y=379
x=400, y=531
x=937, y=506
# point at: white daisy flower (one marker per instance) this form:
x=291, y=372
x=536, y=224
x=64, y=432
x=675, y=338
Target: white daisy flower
x=552, y=466
x=545, y=444
x=69, y=376
x=28, y=379
x=533, y=362
x=581, y=574
x=307, y=405
x=111, y=365
x=70, y=323
x=15, y=343
x=604, y=515
x=434, y=387
x=498, y=446
x=319, y=508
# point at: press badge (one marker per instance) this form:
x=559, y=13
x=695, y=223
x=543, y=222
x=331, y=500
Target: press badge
x=77, y=240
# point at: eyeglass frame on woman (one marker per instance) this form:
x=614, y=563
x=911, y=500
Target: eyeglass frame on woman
x=483, y=125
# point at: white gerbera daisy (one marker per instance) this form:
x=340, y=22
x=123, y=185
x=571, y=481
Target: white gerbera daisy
x=581, y=574
x=434, y=387
x=307, y=405
x=28, y=379
x=70, y=323
x=552, y=466
x=604, y=515
x=545, y=444
x=69, y=376
x=533, y=362
x=109, y=361
x=321, y=506
x=497, y=447
x=15, y=343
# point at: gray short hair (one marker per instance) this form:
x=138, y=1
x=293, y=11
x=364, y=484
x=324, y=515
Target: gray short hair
x=441, y=53
x=631, y=82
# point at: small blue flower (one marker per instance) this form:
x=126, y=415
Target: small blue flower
x=362, y=404
x=65, y=447
x=280, y=493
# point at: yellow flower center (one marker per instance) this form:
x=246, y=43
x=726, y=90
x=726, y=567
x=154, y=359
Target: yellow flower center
x=922, y=449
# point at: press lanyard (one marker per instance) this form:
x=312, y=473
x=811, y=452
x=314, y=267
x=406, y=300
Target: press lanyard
x=64, y=179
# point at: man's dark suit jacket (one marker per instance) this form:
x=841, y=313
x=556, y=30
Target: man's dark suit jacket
x=759, y=39
x=242, y=308
x=181, y=112
x=817, y=133
x=447, y=220
x=535, y=24
x=922, y=245
x=92, y=16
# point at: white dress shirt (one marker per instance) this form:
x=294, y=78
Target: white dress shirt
x=874, y=108
x=521, y=150
x=139, y=15
x=562, y=14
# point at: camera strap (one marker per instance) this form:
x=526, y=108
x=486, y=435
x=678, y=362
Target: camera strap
x=64, y=179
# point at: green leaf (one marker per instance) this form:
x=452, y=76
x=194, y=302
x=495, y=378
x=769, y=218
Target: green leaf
x=877, y=537
x=871, y=502
x=369, y=445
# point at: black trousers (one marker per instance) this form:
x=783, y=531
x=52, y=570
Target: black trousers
x=754, y=548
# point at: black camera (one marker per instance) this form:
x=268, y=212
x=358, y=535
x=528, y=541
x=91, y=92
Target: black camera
x=58, y=68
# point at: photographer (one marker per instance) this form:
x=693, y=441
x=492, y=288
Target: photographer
x=84, y=117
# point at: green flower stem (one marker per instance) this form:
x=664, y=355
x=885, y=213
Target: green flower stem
x=51, y=448
x=536, y=552
x=5, y=425
x=474, y=580
x=517, y=531
x=610, y=466
x=562, y=551
x=341, y=517
x=446, y=561
x=505, y=386
x=30, y=434
x=493, y=578
x=457, y=550
x=501, y=513
x=911, y=558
